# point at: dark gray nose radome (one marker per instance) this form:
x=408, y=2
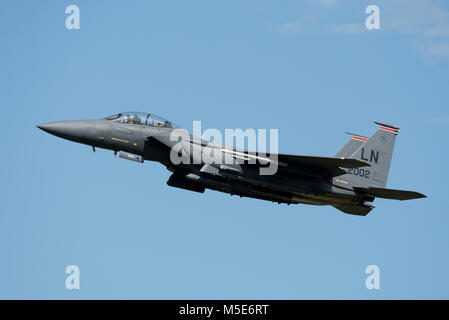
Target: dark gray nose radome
x=71, y=130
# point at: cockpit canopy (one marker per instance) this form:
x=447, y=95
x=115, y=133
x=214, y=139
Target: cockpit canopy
x=141, y=118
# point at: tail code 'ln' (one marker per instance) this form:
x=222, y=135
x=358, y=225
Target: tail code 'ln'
x=377, y=151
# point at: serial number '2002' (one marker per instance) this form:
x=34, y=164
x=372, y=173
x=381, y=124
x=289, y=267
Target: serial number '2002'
x=364, y=173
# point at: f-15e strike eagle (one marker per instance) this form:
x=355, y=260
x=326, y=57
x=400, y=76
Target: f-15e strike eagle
x=349, y=181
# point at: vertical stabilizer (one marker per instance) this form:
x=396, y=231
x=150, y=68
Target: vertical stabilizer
x=377, y=151
x=351, y=146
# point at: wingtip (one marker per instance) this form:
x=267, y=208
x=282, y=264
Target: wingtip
x=362, y=163
x=357, y=162
x=422, y=196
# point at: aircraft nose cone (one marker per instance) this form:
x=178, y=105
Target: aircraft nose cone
x=47, y=127
x=71, y=130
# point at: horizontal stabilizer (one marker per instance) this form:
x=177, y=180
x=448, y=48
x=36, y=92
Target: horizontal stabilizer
x=390, y=193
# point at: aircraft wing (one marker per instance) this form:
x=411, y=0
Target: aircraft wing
x=310, y=166
x=318, y=166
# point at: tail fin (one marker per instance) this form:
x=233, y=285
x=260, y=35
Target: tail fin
x=377, y=151
x=351, y=146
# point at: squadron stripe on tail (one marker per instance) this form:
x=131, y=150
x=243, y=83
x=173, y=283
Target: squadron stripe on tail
x=387, y=127
x=389, y=130
x=356, y=136
x=360, y=138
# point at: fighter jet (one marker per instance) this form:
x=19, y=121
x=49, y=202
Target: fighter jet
x=349, y=181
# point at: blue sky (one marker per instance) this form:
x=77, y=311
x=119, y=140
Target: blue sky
x=307, y=68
